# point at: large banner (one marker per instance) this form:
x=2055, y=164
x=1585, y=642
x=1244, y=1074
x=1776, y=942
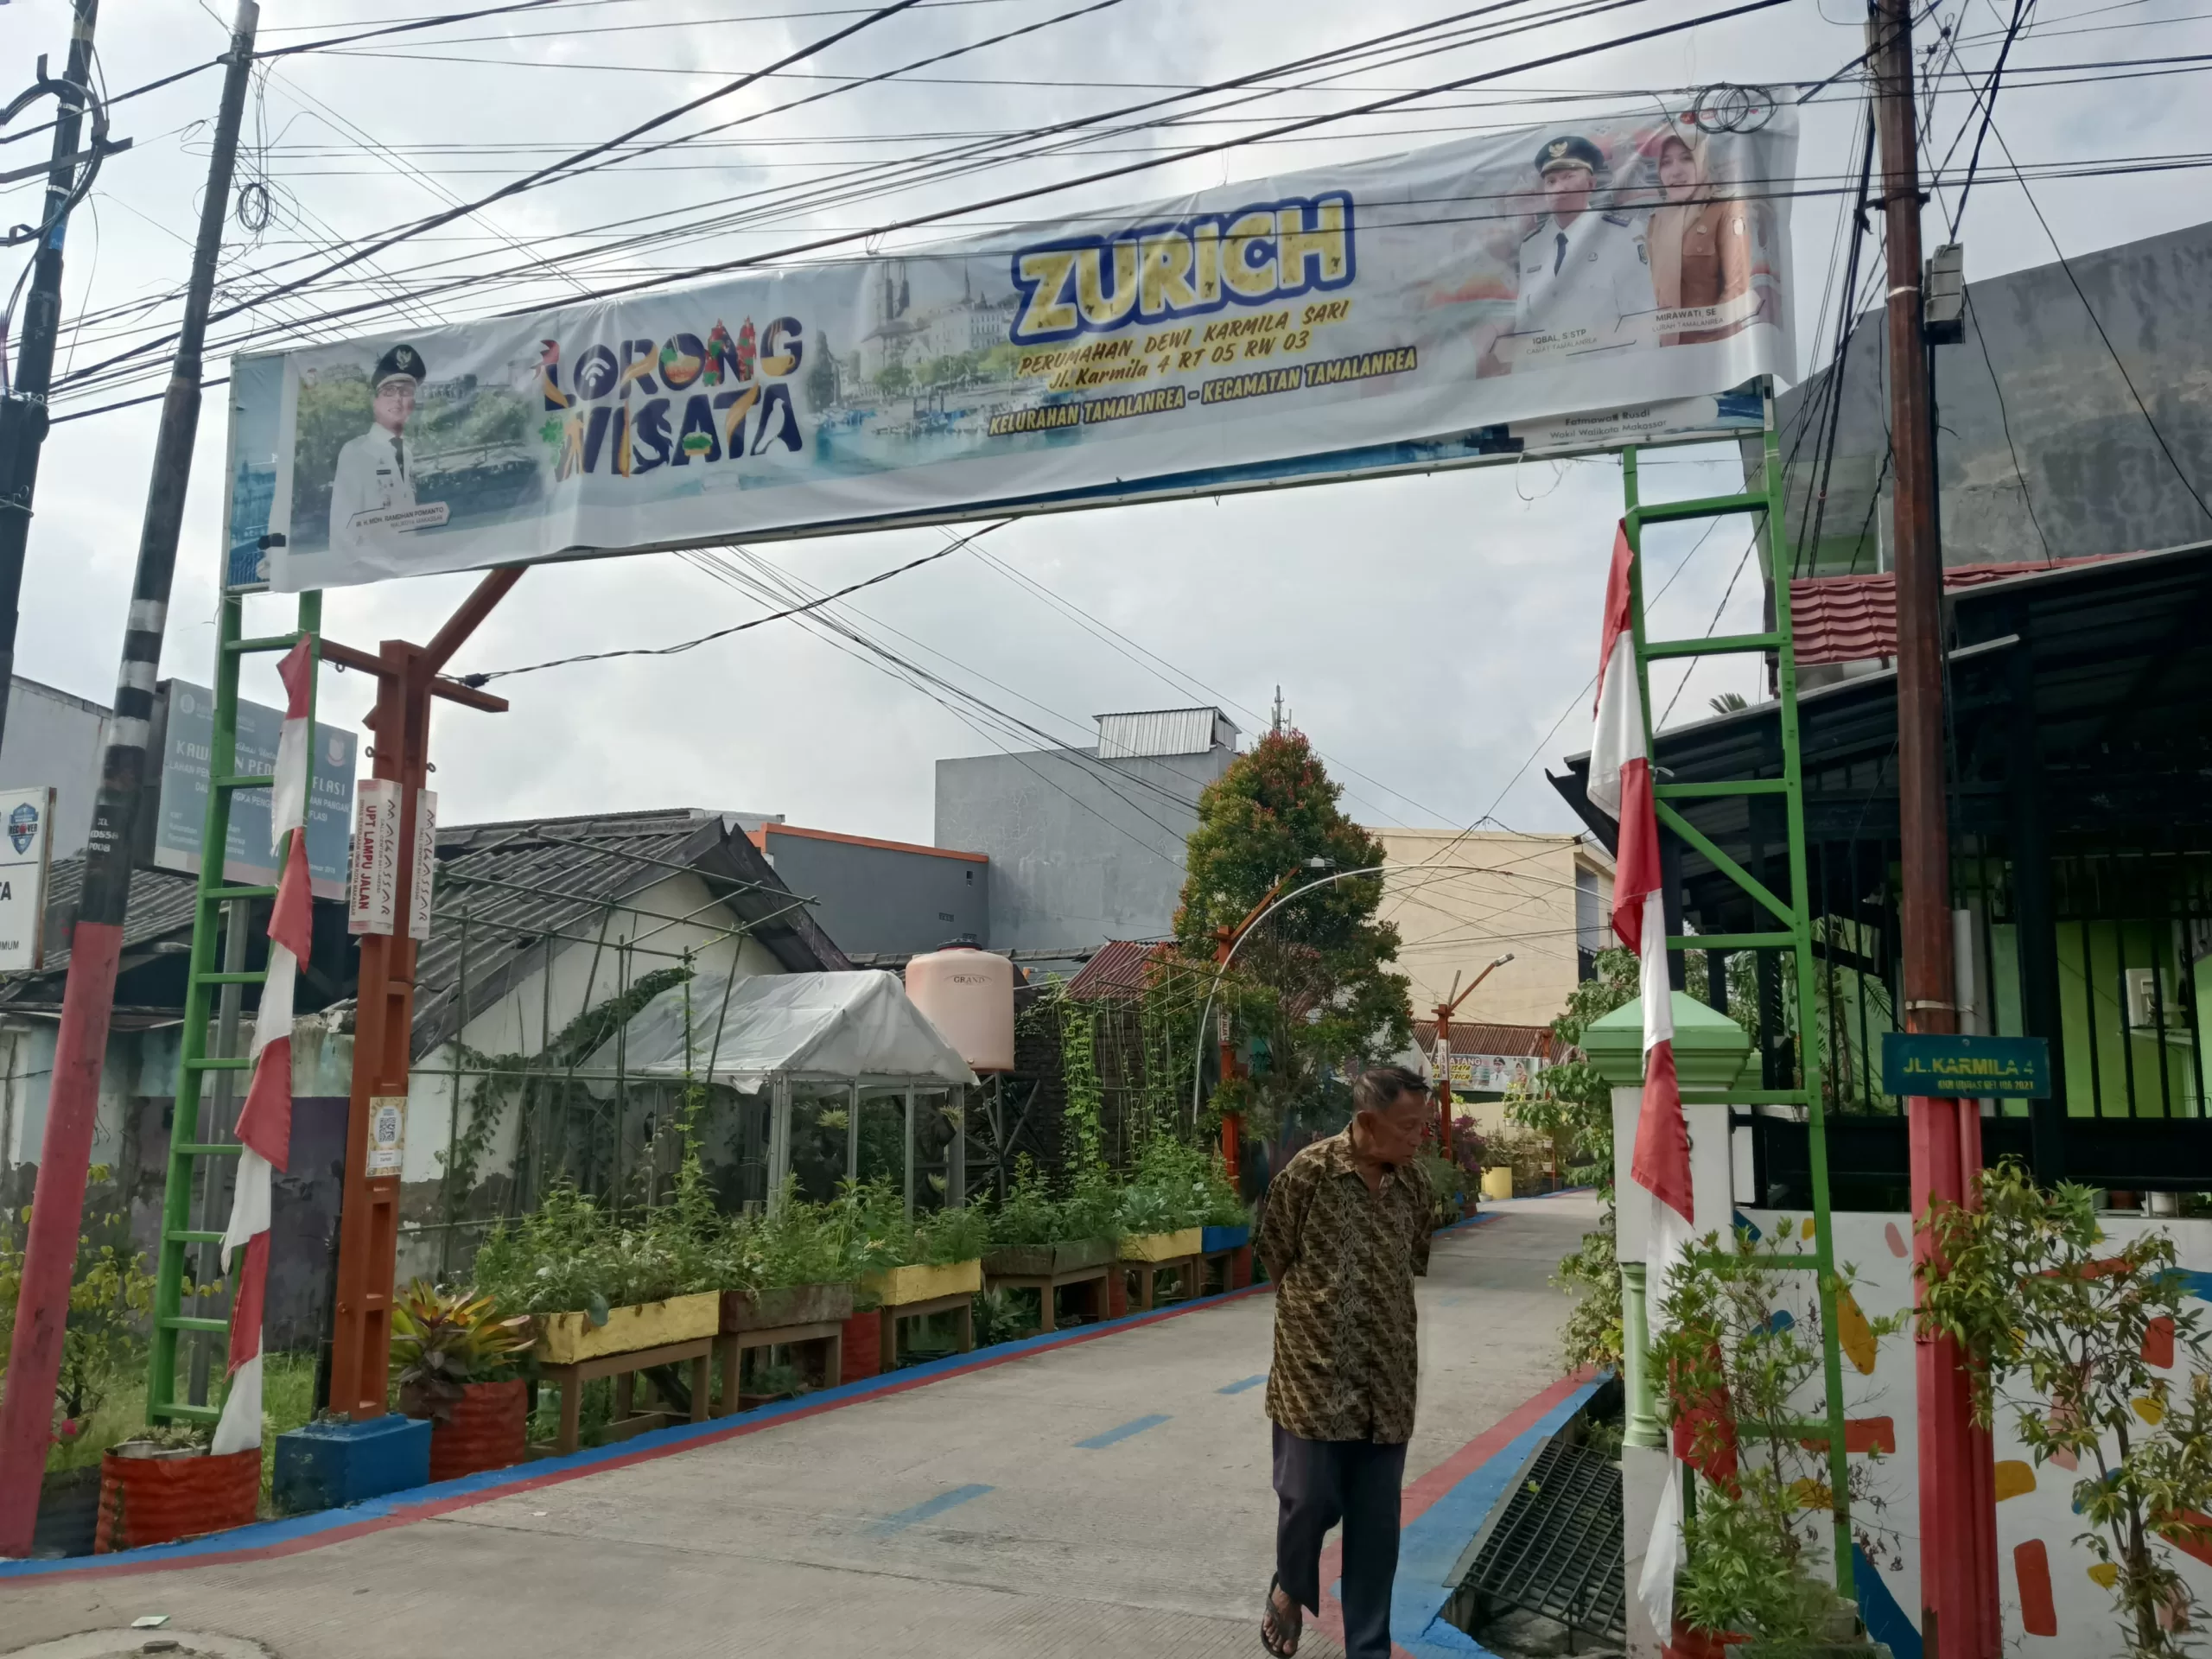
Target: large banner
x=1543, y=291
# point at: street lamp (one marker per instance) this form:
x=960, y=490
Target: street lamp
x=1444, y=1013
x=1228, y=940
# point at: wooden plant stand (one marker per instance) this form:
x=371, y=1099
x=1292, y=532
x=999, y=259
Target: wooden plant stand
x=1190, y=1272
x=623, y=1368
x=893, y=1314
x=1046, y=1284
x=827, y=1337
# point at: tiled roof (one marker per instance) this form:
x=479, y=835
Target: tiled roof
x=1482, y=1038
x=160, y=903
x=1854, y=619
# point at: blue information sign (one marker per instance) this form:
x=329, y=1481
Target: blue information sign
x=1975, y=1068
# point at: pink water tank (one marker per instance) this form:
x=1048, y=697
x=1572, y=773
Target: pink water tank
x=969, y=996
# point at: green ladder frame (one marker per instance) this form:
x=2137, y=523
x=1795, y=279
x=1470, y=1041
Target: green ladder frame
x=1794, y=923
x=193, y=1135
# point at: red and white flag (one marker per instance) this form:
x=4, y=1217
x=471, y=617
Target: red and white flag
x=1620, y=786
x=264, y=1127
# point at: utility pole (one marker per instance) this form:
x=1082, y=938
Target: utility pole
x=96, y=941
x=22, y=409
x=1445, y=1010
x=1958, y=1561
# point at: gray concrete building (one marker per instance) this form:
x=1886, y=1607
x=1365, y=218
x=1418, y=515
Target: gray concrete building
x=1086, y=844
x=2042, y=450
x=880, y=899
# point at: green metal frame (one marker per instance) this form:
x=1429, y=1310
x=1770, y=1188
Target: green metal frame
x=193, y=1134
x=1794, y=931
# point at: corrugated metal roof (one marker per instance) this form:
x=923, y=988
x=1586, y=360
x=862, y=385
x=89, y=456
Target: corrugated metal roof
x=1163, y=731
x=1121, y=969
x=520, y=882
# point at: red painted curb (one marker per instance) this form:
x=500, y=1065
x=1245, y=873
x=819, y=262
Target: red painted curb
x=430, y=1509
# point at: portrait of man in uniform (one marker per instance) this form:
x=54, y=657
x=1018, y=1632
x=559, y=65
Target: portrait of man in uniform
x=375, y=474
x=1583, y=276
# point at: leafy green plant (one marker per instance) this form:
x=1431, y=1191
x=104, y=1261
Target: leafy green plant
x=442, y=1341
x=2050, y=1312
x=1592, y=1335
x=1027, y=1214
x=570, y=1256
x=944, y=1236
x=1092, y=1208
x=1003, y=1316
x=111, y=1296
x=1174, y=1185
x=1733, y=1353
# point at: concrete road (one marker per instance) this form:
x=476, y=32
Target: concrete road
x=1106, y=1498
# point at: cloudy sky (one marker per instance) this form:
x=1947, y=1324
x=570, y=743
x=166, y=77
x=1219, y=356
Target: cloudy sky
x=1428, y=633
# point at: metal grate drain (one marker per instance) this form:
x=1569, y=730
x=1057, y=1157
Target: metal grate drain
x=1556, y=1549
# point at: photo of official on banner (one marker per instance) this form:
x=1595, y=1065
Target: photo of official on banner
x=1524, y=293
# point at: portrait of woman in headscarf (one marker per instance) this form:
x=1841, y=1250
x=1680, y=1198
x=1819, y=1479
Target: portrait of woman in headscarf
x=1700, y=241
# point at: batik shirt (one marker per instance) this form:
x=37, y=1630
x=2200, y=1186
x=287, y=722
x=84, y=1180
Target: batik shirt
x=1343, y=1260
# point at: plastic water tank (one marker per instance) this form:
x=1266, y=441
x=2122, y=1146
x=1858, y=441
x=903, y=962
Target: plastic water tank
x=969, y=996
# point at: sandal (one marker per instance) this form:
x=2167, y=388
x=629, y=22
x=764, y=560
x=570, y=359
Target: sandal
x=1279, y=1632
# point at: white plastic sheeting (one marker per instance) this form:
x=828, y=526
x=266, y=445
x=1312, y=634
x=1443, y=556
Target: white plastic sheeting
x=849, y=1027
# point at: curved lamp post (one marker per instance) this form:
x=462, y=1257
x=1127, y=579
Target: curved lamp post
x=1245, y=931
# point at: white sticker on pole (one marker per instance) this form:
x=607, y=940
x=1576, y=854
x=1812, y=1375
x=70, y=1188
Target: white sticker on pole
x=372, y=889
x=26, y=845
x=426, y=864
x=387, y=1133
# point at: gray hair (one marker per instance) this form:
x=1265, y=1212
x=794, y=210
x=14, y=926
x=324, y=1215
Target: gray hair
x=1380, y=1090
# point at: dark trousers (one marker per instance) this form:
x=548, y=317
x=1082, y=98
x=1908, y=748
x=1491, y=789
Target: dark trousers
x=1320, y=1483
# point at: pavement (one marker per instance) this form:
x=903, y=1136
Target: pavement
x=1104, y=1497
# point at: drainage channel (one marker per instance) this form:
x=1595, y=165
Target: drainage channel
x=1542, y=1577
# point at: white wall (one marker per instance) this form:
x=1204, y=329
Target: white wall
x=583, y=975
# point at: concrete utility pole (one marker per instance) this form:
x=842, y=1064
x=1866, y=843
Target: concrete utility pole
x=22, y=409
x=1958, y=1561
x=96, y=943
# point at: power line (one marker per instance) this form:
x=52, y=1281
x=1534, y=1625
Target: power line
x=682, y=646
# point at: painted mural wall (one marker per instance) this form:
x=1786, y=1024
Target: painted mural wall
x=2054, y=1602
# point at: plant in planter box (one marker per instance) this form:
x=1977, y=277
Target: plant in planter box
x=1027, y=1214
x=456, y=1361
x=942, y=1237
x=443, y=1341
x=2068, y=1324
x=1732, y=1349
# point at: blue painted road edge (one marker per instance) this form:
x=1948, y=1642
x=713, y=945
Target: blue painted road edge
x=296, y=1533
x=1431, y=1546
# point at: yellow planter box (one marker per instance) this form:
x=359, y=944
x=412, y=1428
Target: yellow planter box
x=564, y=1338
x=1162, y=1247
x=924, y=1284
x=1498, y=1183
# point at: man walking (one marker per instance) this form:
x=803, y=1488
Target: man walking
x=1344, y=1229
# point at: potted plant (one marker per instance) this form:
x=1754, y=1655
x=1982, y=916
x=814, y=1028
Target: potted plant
x=165, y=1485
x=455, y=1359
x=1034, y=1237
x=941, y=1254
x=596, y=1285
x=1165, y=1204
x=785, y=1267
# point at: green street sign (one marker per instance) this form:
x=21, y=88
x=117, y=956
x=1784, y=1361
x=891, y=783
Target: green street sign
x=1975, y=1068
